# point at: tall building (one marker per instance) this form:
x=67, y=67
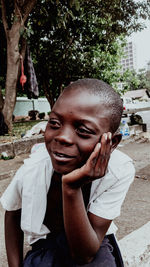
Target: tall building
x=128, y=61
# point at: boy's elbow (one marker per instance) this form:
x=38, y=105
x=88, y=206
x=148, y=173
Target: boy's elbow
x=87, y=255
x=81, y=260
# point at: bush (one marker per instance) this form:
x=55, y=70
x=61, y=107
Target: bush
x=32, y=114
x=22, y=119
x=41, y=115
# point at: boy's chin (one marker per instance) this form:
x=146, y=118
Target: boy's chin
x=63, y=170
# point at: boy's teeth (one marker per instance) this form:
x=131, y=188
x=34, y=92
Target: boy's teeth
x=61, y=155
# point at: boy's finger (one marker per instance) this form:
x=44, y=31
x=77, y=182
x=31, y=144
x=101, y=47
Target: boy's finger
x=108, y=146
x=94, y=155
x=103, y=148
x=104, y=154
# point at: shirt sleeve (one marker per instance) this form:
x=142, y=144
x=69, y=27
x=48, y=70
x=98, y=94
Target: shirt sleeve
x=108, y=204
x=11, y=198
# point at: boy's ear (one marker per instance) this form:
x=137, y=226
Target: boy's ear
x=115, y=140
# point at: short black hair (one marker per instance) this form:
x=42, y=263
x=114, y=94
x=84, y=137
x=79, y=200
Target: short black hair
x=107, y=95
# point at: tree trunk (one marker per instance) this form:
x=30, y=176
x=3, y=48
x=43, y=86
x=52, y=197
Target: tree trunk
x=48, y=94
x=20, y=13
x=1, y=100
x=13, y=60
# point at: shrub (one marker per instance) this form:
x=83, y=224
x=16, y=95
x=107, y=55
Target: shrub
x=32, y=114
x=41, y=115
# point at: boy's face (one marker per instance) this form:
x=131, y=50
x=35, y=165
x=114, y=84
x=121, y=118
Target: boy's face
x=76, y=124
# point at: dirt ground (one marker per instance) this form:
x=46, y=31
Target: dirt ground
x=136, y=208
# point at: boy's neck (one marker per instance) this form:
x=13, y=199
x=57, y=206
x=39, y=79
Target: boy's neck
x=56, y=177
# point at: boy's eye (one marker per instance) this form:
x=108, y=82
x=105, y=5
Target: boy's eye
x=83, y=132
x=54, y=123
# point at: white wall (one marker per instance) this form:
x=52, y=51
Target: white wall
x=23, y=105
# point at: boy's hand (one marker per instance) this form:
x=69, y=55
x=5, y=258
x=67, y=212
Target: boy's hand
x=95, y=166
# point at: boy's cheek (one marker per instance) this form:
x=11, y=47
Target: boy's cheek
x=47, y=136
x=86, y=151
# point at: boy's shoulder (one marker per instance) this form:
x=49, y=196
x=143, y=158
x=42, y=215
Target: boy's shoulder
x=36, y=168
x=120, y=164
x=118, y=156
x=37, y=165
x=38, y=155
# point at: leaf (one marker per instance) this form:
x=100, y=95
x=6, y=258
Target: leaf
x=77, y=5
x=71, y=14
x=71, y=2
x=21, y=30
x=16, y=19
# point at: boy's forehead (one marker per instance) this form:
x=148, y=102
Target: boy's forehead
x=83, y=101
x=79, y=95
x=78, y=91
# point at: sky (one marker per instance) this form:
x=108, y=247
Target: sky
x=142, y=43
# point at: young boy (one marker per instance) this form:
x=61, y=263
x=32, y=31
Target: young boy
x=66, y=197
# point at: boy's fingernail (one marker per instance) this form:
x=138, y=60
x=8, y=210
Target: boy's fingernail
x=105, y=135
x=110, y=136
x=98, y=146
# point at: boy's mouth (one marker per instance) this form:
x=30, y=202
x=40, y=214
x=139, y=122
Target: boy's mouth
x=58, y=155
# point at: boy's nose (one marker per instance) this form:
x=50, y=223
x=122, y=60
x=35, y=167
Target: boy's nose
x=65, y=137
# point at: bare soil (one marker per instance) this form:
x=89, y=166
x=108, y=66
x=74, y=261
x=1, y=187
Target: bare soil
x=136, y=208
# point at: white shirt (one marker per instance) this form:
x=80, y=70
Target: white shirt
x=29, y=187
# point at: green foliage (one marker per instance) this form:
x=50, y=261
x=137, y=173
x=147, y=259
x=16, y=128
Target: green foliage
x=130, y=80
x=7, y=157
x=22, y=127
x=41, y=115
x=135, y=81
x=73, y=40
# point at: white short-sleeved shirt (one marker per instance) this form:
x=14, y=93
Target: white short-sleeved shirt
x=29, y=187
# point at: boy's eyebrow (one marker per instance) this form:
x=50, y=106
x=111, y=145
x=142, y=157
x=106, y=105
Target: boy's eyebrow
x=83, y=121
x=57, y=114
x=88, y=121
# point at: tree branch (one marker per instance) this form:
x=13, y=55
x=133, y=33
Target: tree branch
x=48, y=94
x=4, y=18
x=27, y=7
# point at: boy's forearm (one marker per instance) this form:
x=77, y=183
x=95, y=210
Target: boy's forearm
x=82, y=238
x=13, y=238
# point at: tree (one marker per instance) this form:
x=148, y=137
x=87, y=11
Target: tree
x=134, y=81
x=68, y=37
x=3, y=62
x=80, y=41
x=14, y=16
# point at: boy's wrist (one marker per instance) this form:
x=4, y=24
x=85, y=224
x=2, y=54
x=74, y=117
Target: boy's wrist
x=74, y=180
x=70, y=185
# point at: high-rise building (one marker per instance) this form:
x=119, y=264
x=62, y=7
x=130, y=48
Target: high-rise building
x=128, y=61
